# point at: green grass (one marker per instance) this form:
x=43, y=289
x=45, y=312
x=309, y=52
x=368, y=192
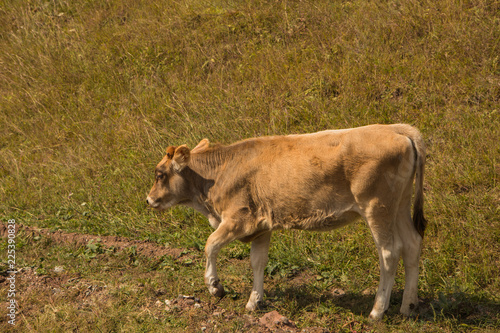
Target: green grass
x=91, y=93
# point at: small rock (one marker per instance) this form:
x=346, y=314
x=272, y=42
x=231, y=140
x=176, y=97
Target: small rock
x=173, y=308
x=158, y=303
x=273, y=320
x=337, y=292
x=168, y=302
x=197, y=305
x=58, y=269
x=160, y=292
x=218, y=313
x=366, y=292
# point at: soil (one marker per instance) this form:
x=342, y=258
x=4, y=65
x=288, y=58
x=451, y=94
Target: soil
x=87, y=293
x=144, y=248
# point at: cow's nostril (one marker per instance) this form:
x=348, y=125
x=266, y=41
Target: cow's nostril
x=152, y=202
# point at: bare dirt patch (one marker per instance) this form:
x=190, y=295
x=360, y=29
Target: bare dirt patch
x=145, y=248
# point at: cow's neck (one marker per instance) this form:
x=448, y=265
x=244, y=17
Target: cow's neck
x=208, y=163
x=204, y=169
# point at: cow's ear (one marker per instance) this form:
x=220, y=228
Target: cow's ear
x=170, y=152
x=181, y=157
x=202, y=146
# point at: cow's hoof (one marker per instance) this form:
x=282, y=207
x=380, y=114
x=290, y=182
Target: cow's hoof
x=375, y=316
x=255, y=302
x=217, y=290
x=410, y=310
x=251, y=307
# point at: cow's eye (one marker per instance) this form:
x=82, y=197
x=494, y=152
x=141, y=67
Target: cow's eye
x=160, y=176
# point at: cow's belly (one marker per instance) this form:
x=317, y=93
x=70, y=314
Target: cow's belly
x=318, y=221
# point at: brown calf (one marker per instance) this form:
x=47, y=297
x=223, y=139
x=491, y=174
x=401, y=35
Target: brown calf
x=319, y=181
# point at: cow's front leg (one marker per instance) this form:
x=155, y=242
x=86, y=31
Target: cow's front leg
x=220, y=237
x=258, y=259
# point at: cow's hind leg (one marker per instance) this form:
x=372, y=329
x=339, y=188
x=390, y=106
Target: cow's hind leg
x=411, y=254
x=258, y=259
x=389, y=249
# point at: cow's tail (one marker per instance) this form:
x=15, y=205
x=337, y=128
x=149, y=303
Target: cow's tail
x=418, y=205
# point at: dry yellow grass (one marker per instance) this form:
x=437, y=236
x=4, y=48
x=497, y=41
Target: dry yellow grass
x=91, y=93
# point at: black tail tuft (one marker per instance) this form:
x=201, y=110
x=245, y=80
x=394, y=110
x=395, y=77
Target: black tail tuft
x=419, y=221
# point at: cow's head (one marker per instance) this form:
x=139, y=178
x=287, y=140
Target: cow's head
x=170, y=188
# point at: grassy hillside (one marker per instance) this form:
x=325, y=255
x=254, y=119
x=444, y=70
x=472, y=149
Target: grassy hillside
x=91, y=92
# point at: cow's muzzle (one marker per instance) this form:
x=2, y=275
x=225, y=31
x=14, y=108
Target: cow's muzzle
x=152, y=202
